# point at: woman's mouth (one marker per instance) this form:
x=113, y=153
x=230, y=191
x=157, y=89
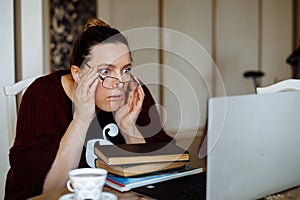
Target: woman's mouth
x=114, y=98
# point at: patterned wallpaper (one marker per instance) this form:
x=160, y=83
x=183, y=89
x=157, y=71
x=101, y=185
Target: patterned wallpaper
x=67, y=19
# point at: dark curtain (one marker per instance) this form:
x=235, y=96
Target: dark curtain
x=67, y=19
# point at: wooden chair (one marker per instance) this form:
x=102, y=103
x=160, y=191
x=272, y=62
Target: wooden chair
x=11, y=92
x=285, y=85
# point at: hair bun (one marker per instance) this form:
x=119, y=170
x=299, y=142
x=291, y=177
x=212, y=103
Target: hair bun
x=95, y=22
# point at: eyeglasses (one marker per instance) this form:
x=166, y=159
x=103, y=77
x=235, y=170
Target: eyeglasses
x=110, y=82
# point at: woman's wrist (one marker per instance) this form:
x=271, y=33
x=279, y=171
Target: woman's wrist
x=80, y=125
x=82, y=120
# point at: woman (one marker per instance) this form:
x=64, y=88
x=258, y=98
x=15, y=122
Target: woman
x=61, y=111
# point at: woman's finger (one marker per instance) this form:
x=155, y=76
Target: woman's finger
x=139, y=95
x=138, y=100
x=88, y=79
x=92, y=88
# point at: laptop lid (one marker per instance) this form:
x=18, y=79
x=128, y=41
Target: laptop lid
x=253, y=145
x=188, y=187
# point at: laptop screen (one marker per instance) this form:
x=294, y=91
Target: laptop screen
x=253, y=145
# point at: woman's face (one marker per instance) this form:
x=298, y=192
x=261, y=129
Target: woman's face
x=111, y=59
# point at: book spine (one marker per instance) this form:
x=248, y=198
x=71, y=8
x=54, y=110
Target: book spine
x=116, y=186
x=115, y=182
x=121, y=187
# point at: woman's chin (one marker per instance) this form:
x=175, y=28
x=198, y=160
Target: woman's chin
x=110, y=107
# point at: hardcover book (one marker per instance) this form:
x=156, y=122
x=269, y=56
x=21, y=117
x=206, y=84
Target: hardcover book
x=127, y=183
x=138, y=169
x=140, y=153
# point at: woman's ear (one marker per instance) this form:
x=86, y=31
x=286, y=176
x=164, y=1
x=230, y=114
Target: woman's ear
x=76, y=73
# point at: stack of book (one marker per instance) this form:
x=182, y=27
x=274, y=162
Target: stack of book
x=135, y=165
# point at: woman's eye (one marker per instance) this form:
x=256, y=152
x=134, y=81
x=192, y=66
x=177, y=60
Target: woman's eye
x=104, y=71
x=126, y=71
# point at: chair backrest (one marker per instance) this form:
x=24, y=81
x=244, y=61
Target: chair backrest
x=285, y=85
x=11, y=92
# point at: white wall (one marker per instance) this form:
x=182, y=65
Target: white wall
x=188, y=77
x=239, y=46
x=30, y=58
x=237, y=43
x=277, y=39
x=6, y=77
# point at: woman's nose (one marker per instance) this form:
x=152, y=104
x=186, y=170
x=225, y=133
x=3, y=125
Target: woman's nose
x=120, y=85
x=118, y=76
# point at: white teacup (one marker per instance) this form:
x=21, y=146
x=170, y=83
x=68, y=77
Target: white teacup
x=86, y=183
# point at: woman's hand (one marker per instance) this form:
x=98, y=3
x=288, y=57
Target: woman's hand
x=127, y=115
x=84, y=96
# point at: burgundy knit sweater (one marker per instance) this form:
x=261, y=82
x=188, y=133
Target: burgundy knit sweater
x=44, y=116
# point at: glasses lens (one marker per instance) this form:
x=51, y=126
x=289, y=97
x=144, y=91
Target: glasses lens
x=110, y=82
x=131, y=85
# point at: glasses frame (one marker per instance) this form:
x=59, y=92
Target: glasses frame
x=118, y=81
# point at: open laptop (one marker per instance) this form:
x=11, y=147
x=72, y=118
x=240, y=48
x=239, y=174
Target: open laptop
x=253, y=149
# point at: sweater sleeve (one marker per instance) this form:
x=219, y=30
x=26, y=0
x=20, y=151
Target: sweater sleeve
x=38, y=134
x=149, y=123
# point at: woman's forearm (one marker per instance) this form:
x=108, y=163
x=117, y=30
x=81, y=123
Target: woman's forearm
x=67, y=157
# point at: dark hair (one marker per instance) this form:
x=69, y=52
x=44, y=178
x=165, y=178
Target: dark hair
x=95, y=32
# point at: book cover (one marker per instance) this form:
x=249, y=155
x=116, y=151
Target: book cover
x=138, y=169
x=127, y=183
x=140, y=153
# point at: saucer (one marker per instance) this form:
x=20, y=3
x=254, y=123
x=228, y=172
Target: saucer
x=108, y=196
x=104, y=196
